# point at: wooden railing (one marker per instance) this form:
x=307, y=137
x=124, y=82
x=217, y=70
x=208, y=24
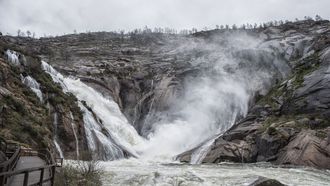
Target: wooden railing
x=10, y=164
x=7, y=168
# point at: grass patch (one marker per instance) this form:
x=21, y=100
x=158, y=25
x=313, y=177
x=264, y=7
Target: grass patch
x=309, y=65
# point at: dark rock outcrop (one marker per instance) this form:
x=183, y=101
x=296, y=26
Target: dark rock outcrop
x=262, y=181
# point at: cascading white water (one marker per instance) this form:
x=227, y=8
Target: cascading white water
x=120, y=136
x=99, y=144
x=75, y=134
x=209, y=105
x=33, y=85
x=12, y=57
x=212, y=101
x=58, y=147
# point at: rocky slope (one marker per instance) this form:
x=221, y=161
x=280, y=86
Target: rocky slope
x=146, y=74
x=31, y=104
x=289, y=125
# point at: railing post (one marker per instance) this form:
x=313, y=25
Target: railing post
x=41, y=176
x=26, y=178
x=53, y=175
x=5, y=178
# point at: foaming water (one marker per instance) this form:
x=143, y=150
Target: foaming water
x=107, y=130
x=73, y=126
x=211, y=102
x=33, y=85
x=230, y=76
x=139, y=172
x=57, y=146
x=12, y=57
x=209, y=105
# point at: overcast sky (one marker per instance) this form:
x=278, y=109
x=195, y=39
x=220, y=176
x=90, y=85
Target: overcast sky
x=57, y=17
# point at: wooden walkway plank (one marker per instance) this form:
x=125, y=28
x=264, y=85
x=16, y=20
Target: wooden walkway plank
x=34, y=177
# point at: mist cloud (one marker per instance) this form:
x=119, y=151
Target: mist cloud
x=64, y=16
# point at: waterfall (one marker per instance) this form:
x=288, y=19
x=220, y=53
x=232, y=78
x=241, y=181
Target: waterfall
x=210, y=103
x=98, y=143
x=58, y=147
x=231, y=73
x=33, y=85
x=75, y=134
x=56, y=76
x=12, y=57
x=107, y=130
x=199, y=154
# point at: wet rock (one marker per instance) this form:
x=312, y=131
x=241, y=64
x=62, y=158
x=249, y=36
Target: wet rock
x=312, y=96
x=263, y=181
x=268, y=144
x=306, y=149
x=145, y=75
x=236, y=151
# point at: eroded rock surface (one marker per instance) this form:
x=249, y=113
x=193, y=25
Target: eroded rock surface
x=145, y=74
x=289, y=125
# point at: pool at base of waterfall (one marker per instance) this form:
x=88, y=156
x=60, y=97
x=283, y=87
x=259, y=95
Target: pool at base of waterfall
x=137, y=172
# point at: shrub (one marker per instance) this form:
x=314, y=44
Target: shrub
x=80, y=173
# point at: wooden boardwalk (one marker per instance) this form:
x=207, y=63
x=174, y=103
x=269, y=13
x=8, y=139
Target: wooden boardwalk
x=29, y=162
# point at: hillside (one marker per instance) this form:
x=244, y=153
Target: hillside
x=272, y=82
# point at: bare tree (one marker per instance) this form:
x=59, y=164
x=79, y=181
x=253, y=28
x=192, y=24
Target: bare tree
x=28, y=33
x=122, y=34
x=308, y=18
x=318, y=18
x=19, y=32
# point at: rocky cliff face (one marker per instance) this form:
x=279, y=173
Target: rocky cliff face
x=35, y=112
x=287, y=119
x=289, y=125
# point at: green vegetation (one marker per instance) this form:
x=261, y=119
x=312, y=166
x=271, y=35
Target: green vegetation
x=80, y=173
x=23, y=118
x=308, y=65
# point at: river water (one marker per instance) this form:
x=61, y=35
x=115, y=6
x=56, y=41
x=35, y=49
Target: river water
x=137, y=172
x=209, y=106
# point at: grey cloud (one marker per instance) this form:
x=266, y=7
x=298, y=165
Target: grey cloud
x=63, y=16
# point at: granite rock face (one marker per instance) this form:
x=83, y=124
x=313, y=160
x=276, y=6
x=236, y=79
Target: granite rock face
x=145, y=74
x=289, y=125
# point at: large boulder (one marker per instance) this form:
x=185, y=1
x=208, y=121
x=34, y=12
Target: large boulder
x=306, y=149
x=263, y=181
